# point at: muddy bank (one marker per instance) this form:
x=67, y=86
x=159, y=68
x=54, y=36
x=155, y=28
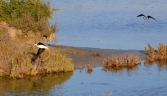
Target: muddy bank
x=82, y=56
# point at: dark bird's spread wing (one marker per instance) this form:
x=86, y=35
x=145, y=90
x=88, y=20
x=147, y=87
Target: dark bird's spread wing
x=141, y=15
x=40, y=50
x=151, y=17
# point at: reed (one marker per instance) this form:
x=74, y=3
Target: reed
x=121, y=61
x=156, y=54
x=89, y=68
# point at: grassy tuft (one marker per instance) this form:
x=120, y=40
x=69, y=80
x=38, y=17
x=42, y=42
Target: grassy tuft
x=121, y=61
x=57, y=63
x=156, y=54
x=89, y=68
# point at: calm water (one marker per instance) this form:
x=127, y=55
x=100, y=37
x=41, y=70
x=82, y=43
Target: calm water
x=143, y=80
x=110, y=24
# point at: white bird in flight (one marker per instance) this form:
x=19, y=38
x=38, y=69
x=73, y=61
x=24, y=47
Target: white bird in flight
x=42, y=48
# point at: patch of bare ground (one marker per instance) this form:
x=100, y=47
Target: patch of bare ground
x=83, y=56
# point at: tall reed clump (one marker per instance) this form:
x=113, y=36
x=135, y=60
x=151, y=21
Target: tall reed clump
x=156, y=54
x=121, y=61
x=28, y=15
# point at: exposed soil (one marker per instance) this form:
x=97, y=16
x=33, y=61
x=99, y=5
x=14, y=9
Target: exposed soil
x=82, y=56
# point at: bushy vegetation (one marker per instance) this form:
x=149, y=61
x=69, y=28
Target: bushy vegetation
x=17, y=49
x=21, y=65
x=156, y=54
x=16, y=61
x=28, y=15
x=121, y=61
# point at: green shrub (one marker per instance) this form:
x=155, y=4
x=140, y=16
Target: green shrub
x=27, y=15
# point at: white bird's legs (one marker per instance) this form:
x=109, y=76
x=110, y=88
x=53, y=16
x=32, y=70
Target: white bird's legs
x=50, y=52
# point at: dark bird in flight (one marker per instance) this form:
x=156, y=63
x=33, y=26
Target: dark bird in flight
x=146, y=17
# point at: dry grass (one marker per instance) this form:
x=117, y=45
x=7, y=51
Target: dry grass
x=156, y=54
x=121, y=61
x=16, y=56
x=18, y=63
x=89, y=68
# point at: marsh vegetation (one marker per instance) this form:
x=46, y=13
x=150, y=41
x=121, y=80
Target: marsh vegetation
x=121, y=61
x=28, y=15
x=156, y=54
x=23, y=23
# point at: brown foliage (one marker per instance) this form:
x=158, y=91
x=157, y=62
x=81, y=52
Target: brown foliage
x=156, y=54
x=89, y=68
x=121, y=61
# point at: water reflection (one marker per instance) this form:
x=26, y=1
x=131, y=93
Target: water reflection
x=121, y=69
x=161, y=64
x=37, y=85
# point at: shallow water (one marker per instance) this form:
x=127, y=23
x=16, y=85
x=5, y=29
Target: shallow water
x=110, y=24
x=142, y=80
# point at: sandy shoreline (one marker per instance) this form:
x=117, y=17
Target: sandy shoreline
x=82, y=56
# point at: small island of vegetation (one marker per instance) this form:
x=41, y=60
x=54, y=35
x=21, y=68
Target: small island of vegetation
x=24, y=23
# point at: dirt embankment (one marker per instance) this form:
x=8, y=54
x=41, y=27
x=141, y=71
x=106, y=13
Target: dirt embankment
x=17, y=35
x=16, y=45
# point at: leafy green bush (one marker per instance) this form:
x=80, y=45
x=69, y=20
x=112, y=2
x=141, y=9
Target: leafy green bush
x=28, y=15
